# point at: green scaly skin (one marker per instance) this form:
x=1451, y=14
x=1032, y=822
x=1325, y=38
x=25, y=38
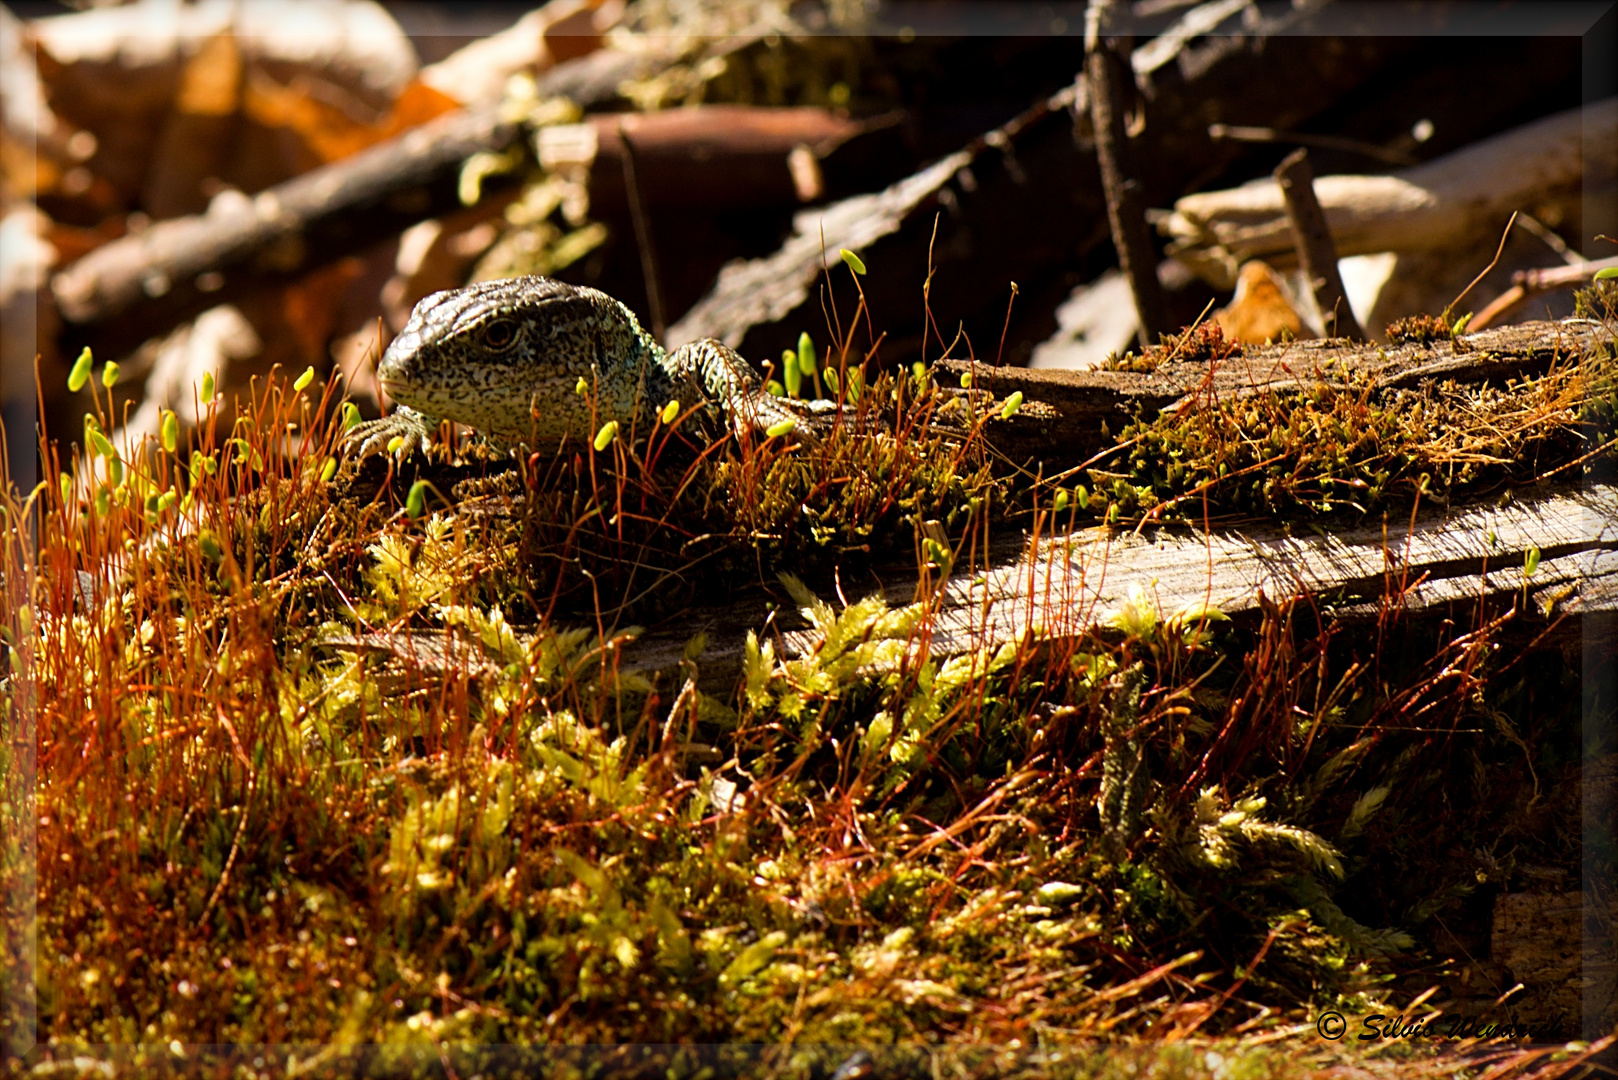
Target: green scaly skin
x=506, y=359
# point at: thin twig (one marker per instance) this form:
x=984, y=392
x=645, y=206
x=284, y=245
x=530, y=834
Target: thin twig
x=1317, y=254
x=235, y=849
x=643, y=235
x=1525, y=283
x=1239, y=133
x=1450, y=309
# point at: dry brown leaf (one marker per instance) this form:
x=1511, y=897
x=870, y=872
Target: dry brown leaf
x=196, y=135
x=328, y=131
x=160, y=88
x=23, y=171
x=417, y=104
x=1261, y=310
x=34, y=150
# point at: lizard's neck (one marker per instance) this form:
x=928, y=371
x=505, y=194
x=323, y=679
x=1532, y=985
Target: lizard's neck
x=651, y=358
x=644, y=341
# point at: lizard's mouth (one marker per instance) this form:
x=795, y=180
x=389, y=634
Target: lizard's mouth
x=438, y=401
x=400, y=390
x=405, y=391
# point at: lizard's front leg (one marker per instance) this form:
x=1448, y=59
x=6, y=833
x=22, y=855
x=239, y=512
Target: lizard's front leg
x=373, y=436
x=726, y=379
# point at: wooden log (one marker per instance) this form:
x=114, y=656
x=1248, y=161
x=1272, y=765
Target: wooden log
x=1456, y=198
x=1082, y=406
x=1067, y=583
x=155, y=278
x=1454, y=560
x=690, y=159
x=710, y=158
x=699, y=163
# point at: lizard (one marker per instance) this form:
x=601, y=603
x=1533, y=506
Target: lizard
x=521, y=359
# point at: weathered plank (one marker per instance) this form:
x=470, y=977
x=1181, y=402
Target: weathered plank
x=1071, y=581
x=1452, y=559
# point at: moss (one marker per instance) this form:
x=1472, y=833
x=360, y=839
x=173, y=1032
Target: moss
x=1203, y=343
x=1419, y=330
x=1350, y=447
x=316, y=772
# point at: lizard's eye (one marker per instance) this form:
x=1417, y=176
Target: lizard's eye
x=499, y=335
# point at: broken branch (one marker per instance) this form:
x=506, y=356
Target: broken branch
x=1106, y=70
x=1316, y=252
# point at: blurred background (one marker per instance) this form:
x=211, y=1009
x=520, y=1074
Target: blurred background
x=226, y=186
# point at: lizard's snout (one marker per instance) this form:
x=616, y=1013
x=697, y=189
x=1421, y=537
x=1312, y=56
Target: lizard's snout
x=397, y=368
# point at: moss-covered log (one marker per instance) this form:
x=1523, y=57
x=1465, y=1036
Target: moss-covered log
x=1547, y=550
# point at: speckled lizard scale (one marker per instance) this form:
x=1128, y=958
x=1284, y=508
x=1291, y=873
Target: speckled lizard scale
x=506, y=358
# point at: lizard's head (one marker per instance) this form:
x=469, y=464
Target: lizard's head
x=506, y=357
